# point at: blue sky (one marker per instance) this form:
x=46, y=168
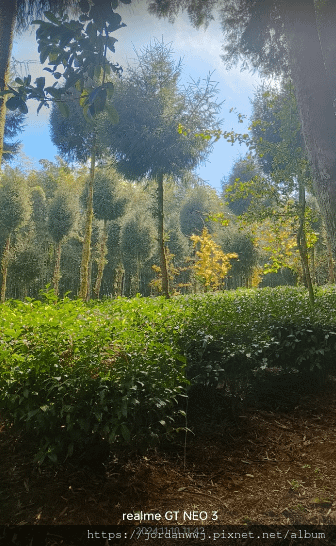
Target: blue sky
x=200, y=51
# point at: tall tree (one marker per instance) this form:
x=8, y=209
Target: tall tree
x=136, y=238
x=277, y=133
x=146, y=142
x=13, y=126
x=108, y=207
x=80, y=49
x=60, y=221
x=14, y=210
x=279, y=37
x=195, y=208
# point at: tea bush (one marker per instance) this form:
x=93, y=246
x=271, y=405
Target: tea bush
x=71, y=372
x=231, y=334
x=114, y=371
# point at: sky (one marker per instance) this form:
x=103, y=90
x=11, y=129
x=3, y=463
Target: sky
x=200, y=52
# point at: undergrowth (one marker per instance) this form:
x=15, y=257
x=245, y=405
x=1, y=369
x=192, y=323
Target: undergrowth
x=73, y=374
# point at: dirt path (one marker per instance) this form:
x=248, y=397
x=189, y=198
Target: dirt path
x=267, y=468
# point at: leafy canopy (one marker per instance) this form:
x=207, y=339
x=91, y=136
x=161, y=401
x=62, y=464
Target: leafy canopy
x=76, y=51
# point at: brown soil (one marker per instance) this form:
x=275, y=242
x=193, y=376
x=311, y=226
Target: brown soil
x=263, y=467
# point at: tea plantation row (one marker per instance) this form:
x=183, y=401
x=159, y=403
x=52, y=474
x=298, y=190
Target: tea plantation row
x=75, y=373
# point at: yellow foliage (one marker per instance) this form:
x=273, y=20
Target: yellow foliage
x=257, y=275
x=278, y=240
x=211, y=265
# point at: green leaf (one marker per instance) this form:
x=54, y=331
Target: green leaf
x=93, y=95
x=92, y=110
x=52, y=57
x=16, y=103
x=125, y=433
x=83, y=99
x=44, y=54
x=79, y=85
x=51, y=17
x=110, y=43
x=107, y=70
x=109, y=88
x=64, y=108
x=42, y=103
x=86, y=113
x=98, y=71
x=114, y=20
x=55, y=93
x=100, y=101
x=40, y=82
x=181, y=358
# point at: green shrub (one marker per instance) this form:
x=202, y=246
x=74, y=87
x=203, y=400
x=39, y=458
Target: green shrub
x=231, y=334
x=73, y=373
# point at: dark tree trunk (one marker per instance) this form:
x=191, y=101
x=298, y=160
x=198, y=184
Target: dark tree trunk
x=325, y=11
x=162, y=254
x=8, y=12
x=314, y=95
x=127, y=283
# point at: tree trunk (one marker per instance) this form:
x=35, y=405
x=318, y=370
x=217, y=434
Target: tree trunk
x=302, y=242
x=102, y=261
x=331, y=269
x=84, y=270
x=313, y=268
x=127, y=283
x=57, y=275
x=4, y=268
x=314, y=95
x=325, y=12
x=8, y=11
x=89, y=284
x=162, y=254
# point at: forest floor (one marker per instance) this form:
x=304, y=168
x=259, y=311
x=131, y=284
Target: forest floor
x=265, y=466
